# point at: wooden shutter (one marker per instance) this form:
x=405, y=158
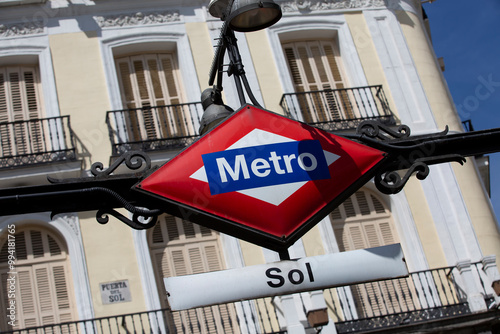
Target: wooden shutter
x=150, y=82
x=314, y=68
x=178, y=248
x=20, y=101
x=44, y=294
x=361, y=222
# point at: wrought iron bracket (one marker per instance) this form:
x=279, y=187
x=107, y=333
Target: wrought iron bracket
x=112, y=188
x=133, y=160
x=408, y=155
x=390, y=182
x=142, y=218
x=104, y=191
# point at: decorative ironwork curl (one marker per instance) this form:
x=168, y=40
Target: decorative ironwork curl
x=391, y=182
x=133, y=160
x=137, y=212
x=375, y=129
x=135, y=222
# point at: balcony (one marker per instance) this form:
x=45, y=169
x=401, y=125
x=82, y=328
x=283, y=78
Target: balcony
x=338, y=109
x=431, y=299
x=37, y=141
x=154, y=128
x=171, y=127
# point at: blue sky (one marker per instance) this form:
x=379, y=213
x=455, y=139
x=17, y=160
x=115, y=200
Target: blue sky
x=467, y=35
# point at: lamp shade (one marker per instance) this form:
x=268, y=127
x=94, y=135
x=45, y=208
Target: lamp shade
x=214, y=110
x=218, y=8
x=253, y=15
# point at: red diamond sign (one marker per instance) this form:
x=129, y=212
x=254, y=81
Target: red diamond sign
x=262, y=177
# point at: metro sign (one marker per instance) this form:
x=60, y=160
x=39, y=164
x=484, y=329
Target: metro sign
x=262, y=177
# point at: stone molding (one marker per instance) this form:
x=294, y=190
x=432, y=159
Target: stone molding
x=140, y=18
x=318, y=5
x=21, y=29
x=71, y=221
x=136, y=19
x=304, y=6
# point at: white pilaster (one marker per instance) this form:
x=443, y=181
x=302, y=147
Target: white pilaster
x=470, y=282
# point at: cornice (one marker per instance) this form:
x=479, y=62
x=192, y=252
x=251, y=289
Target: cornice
x=21, y=29
x=319, y=5
x=72, y=221
x=304, y=6
x=136, y=19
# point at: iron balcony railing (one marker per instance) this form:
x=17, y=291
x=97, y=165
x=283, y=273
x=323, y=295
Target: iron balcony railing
x=338, y=109
x=422, y=297
x=154, y=127
x=257, y=316
x=36, y=141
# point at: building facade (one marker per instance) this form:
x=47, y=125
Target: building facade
x=85, y=81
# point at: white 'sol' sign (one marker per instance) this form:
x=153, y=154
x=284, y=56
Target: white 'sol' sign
x=284, y=277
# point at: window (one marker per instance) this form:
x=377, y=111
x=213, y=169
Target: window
x=43, y=293
x=316, y=72
x=363, y=221
x=148, y=84
x=19, y=103
x=148, y=80
x=179, y=247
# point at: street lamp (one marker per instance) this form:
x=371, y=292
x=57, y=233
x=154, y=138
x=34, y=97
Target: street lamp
x=246, y=15
x=238, y=15
x=214, y=109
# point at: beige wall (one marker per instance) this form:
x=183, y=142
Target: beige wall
x=82, y=92
x=367, y=53
x=202, y=50
x=251, y=254
x=111, y=256
x=313, y=243
x=265, y=68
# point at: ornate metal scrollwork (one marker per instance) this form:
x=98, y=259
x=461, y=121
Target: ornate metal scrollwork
x=391, y=182
x=375, y=129
x=137, y=212
x=135, y=222
x=134, y=160
x=407, y=155
x=142, y=218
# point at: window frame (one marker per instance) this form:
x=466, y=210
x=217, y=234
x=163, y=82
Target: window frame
x=115, y=43
x=31, y=266
x=313, y=28
x=35, y=51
